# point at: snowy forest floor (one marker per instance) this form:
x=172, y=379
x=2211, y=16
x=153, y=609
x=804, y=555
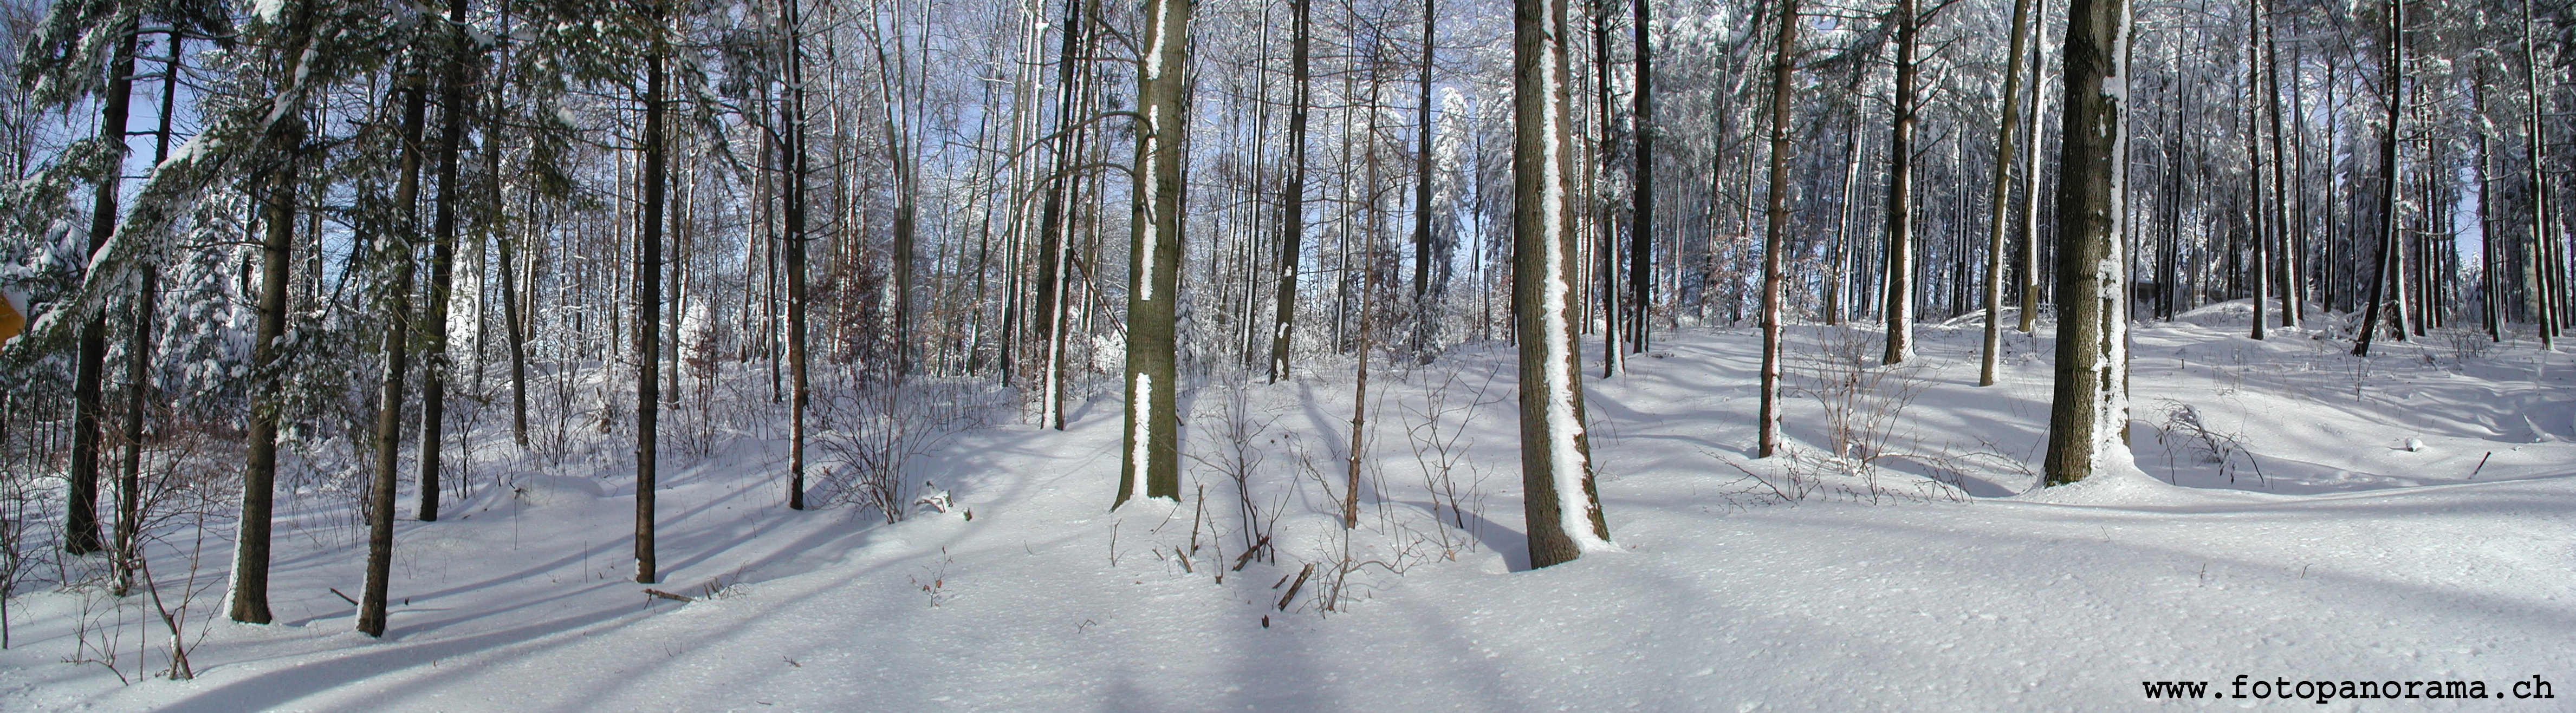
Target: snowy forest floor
x=2302, y=515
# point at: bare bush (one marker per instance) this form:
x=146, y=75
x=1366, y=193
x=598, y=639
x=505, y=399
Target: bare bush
x=1863, y=403
x=2181, y=425
x=871, y=433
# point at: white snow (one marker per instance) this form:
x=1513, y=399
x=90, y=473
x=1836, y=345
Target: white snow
x=2346, y=558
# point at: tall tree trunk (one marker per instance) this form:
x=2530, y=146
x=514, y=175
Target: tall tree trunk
x=2385, y=266
x=2089, y=408
x=1999, y=200
x=2490, y=304
x=80, y=512
x=1292, y=199
x=1151, y=466
x=2254, y=208
x=283, y=142
x=648, y=313
x=1053, y=224
x=2030, y=263
x=1424, y=317
x=791, y=146
x=1784, y=63
x=2542, y=303
x=138, y=362
x=442, y=263
x=1641, y=228
x=1898, y=305
x=1559, y=497
x=259, y=479
x=397, y=356
x=2285, y=226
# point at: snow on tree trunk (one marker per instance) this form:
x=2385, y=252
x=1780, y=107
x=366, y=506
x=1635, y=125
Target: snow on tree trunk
x=1783, y=69
x=2090, y=406
x=1151, y=464
x=1559, y=499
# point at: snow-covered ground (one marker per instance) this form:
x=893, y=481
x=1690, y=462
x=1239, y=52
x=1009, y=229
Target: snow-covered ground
x=2298, y=514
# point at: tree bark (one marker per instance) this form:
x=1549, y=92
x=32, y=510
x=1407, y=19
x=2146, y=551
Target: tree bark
x=2089, y=408
x=648, y=314
x=1292, y=199
x=1999, y=200
x=2385, y=265
x=791, y=146
x=1784, y=63
x=397, y=359
x=1559, y=497
x=1151, y=466
x=138, y=362
x=1641, y=228
x=442, y=264
x=1898, y=305
x=80, y=512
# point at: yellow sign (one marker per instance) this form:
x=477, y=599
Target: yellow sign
x=11, y=320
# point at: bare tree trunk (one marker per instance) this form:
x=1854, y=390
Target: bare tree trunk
x=259, y=479
x=138, y=363
x=397, y=356
x=2285, y=225
x=2254, y=208
x=1784, y=65
x=1898, y=305
x=1151, y=466
x=792, y=147
x=1641, y=227
x=442, y=262
x=1292, y=199
x=1053, y=224
x=1559, y=498
x=2001, y=198
x=2385, y=266
x=80, y=512
x=1424, y=318
x=2090, y=407
x=2030, y=263
x=648, y=314
x=2544, y=316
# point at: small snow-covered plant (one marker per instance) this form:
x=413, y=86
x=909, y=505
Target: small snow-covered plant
x=1863, y=403
x=1436, y=430
x=2465, y=344
x=876, y=428
x=1237, y=442
x=933, y=581
x=2181, y=425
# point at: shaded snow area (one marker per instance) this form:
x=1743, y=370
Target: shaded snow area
x=2295, y=514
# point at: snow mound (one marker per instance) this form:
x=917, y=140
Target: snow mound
x=557, y=489
x=2122, y=484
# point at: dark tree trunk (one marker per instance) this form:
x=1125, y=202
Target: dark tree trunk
x=1151, y=466
x=648, y=317
x=792, y=147
x=80, y=512
x=138, y=363
x=1292, y=199
x=2384, y=267
x=1560, y=500
x=1784, y=63
x=442, y=264
x=1641, y=228
x=1999, y=200
x=1898, y=305
x=2088, y=409
x=397, y=356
